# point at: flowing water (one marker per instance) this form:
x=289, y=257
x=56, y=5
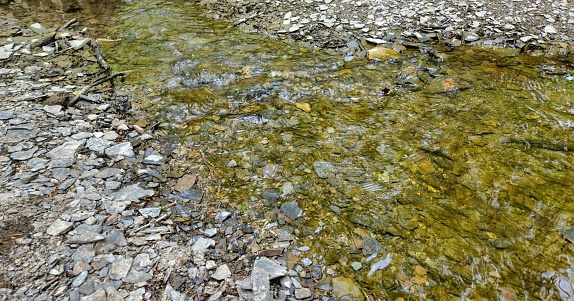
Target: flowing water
x=455, y=166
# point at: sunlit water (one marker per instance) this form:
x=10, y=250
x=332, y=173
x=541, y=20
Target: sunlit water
x=460, y=164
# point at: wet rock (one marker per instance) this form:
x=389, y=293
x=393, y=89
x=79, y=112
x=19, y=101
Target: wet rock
x=324, y=169
x=569, y=234
x=291, y=210
x=356, y=265
x=194, y=195
x=502, y=243
x=185, y=183
x=382, y=53
x=343, y=286
x=379, y=265
x=271, y=195
x=371, y=246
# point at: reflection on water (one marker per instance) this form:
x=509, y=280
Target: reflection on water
x=457, y=167
x=95, y=14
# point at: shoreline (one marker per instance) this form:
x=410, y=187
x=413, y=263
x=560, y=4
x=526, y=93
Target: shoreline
x=343, y=24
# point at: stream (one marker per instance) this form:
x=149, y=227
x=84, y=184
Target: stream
x=455, y=168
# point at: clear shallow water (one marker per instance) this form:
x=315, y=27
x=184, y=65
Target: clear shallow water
x=458, y=164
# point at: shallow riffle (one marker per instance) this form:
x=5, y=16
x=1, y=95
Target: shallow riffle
x=457, y=164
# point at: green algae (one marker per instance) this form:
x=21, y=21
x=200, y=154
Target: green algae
x=459, y=163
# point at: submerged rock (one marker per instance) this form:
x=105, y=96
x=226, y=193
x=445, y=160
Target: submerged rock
x=291, y=210
x=382, y=53
x=343, y=286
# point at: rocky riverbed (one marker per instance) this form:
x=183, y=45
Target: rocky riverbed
x=94, y=205
x=343, y=24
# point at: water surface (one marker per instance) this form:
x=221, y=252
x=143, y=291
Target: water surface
x=456, y=164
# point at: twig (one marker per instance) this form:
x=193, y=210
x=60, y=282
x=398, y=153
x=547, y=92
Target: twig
x=48, y=283
x=65, y=26
x=149, y=224
x=88, y=87
x=99, y=56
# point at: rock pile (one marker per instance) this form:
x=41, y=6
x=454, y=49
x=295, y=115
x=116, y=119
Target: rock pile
x=336, y=23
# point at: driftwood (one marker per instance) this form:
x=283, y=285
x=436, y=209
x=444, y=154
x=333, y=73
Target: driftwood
x=100, y=57
x=68, y=24
x=44, y=40
x=100, y=81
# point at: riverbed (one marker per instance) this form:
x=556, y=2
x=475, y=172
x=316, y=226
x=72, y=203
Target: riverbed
x=451, y=168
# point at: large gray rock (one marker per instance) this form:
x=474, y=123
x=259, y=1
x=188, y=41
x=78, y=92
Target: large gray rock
x=203, y=244
x=125, y=150
x=65, y=154
x=59, y=227
x=273, y=269
x=132, y=193
x=98, y=144
x=120, y=268
x=291, y=210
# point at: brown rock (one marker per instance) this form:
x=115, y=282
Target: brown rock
x=185, y=183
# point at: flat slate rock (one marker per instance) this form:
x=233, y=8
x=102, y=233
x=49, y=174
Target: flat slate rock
x=125, y=150
x=273, y=269
x=291, y=210
x=132, y=193
x=65, y=154
x=59, y=227
x=23, y=155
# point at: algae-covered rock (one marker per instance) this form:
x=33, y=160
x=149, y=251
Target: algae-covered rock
x=382, y=53
x=344, y=286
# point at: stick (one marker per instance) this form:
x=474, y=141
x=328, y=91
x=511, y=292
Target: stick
x=100, y=81
x=65, y=26
x=149, y=224
x=99, y=56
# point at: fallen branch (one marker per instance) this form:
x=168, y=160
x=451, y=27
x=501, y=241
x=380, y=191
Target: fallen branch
x=44, y=40
x=65, y=26
x=149, y=224
x=100, y=81
x=99, y=56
